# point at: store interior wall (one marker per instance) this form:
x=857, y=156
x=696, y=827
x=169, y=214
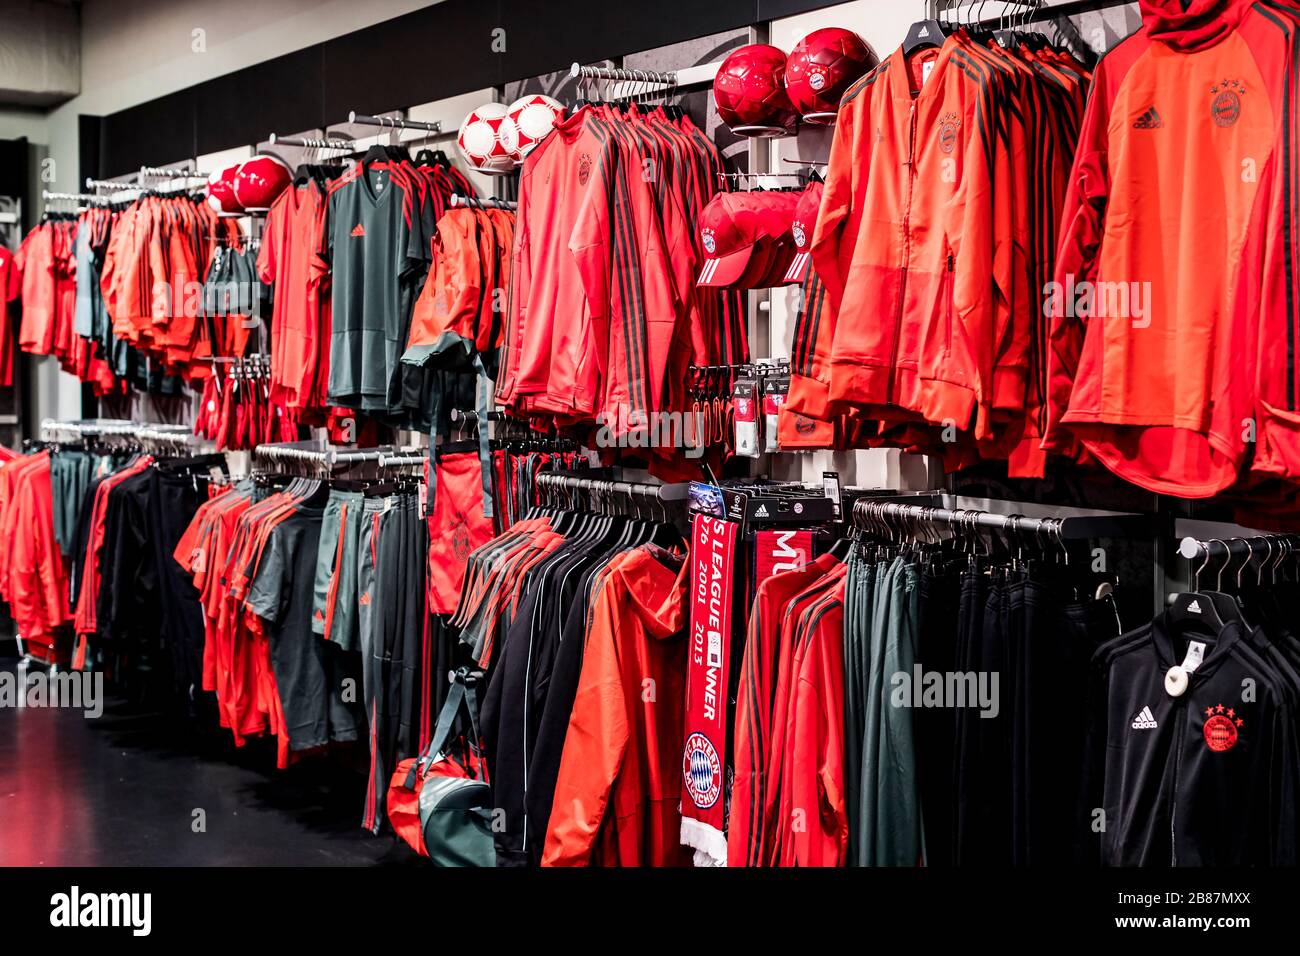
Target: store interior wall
x=133, y=51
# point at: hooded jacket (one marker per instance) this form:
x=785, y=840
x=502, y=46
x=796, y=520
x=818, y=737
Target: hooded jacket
x=1181, y=200
x=616, y=798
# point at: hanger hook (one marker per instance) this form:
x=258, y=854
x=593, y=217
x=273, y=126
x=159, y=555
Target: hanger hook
x=1227, y=552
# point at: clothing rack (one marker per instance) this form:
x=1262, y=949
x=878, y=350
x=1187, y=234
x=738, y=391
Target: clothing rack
x=86, y=428
x=762, y=365
x=402, y=460
x=393, y=122
x=473, y=202
x=174, y=435
x=470, y=415
x=1030, y=11
x=1271, y=547
x=328, y=456
x=111, y=185
x=673, y=79
x=175, y=172
x=567, y=481
x=1061, y=524
x=47, y=196
x=311, y=142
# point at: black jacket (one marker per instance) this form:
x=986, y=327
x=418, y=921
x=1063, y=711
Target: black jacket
x=1205, y=778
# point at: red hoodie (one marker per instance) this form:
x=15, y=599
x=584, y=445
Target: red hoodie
x=616, y=797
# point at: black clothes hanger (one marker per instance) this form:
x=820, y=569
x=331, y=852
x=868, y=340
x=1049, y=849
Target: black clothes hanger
x=1210, y=611
x=923, y=35
x=432, y=157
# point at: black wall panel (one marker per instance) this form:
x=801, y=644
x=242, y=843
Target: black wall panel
x=417, y=58
x=441, y=51
x=156, y=132
x=587, y=30
x=281, y=95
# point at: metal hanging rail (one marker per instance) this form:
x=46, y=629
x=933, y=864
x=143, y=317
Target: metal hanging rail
x=393, y=122
x=473, y=202
x=312, y=142
x=48, y=196
x=403, y=460
x=1059, y=523
x=1015, y=13
x=1274, y=549
x=566, y=481
x=175, y=172
x=329, y=456
x=674, y=79
x=89, y=427
x=110, y=185
x=470, y=415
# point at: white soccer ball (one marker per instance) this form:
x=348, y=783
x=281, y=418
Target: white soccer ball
x=531, y=118
x=480, y=139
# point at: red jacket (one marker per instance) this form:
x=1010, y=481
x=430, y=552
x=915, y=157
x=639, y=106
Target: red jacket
x=616, y=797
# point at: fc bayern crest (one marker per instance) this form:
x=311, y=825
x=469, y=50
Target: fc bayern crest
x=1226, y=105
x=702, y=770
x=948, y=124
x=709, y=244
x=800, y=237
x=460, y=543
x=584, y=169
x=1221, y=728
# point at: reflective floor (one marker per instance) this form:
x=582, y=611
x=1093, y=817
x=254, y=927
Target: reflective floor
x=129, y=789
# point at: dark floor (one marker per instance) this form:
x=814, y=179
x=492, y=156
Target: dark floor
x=122, y=790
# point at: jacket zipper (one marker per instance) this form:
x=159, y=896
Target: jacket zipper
x=1179, y=720
x=947, y=306
x=907, y=245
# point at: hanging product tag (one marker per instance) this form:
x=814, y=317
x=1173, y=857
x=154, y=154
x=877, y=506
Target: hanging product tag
x=775, y=390
x=704, y=760
x=744, y=399
x=831, y=486
x=1195, y=656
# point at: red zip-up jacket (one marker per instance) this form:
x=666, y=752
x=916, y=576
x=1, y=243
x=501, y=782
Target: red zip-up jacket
x=906, y=246
x=618, y=790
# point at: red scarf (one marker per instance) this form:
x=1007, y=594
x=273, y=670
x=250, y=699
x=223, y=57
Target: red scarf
x=704, y=760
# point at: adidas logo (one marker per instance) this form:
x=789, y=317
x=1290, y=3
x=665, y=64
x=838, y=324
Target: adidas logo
x=365, y=599
x=1194, y=607
x=1149, y=120
x=1145, y=720
x=358, y=230
x=761, y=512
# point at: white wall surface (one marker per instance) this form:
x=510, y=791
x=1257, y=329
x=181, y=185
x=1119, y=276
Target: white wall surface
x=30, y=123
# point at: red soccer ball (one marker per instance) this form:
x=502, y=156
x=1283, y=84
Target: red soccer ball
x=821, y=67
x=750, y=93
x=260, y=180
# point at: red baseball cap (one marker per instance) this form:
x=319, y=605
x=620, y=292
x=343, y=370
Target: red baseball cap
x=745, y=229
x=801, y=229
